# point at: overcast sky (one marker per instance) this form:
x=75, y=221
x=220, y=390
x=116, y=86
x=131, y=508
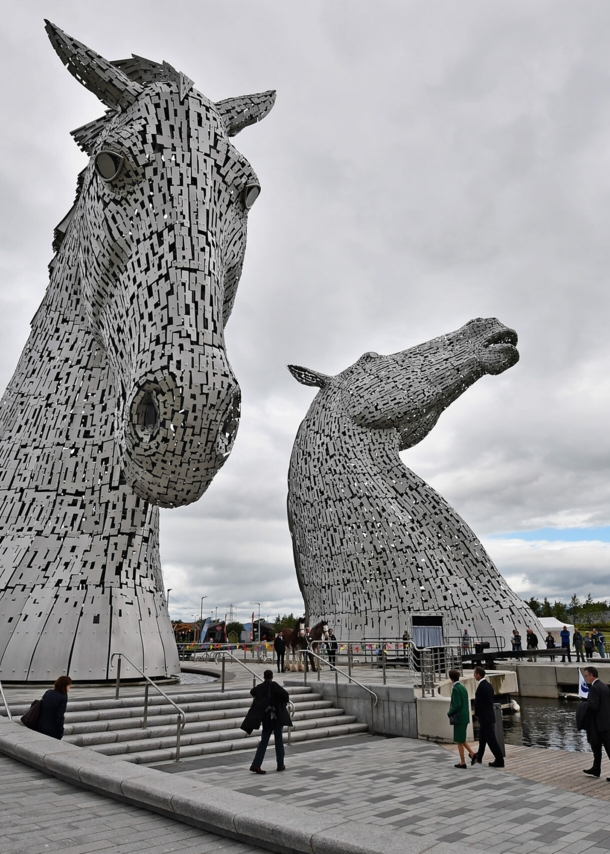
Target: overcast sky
x=425, y=163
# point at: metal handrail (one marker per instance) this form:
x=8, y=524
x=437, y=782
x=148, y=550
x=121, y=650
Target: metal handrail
x=8, y=711
x=336, y=669
x=181, y=713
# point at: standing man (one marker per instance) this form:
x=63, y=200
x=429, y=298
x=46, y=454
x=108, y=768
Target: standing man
x=532, y=643
x=577, y=640
x=597, y=719
x=486, y=716
x=600, y=642
x=564, y=634
x=279, y=645
x=332, y=646
x=268, y=708
x=308, y=638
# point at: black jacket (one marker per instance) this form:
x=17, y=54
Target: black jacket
x=279, y=644
x=484, y=703
x=52, y=710
x=267, y=694
x=598, y=710
x=577, y=640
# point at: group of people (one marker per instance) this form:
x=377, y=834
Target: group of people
x=584, y=645
x=594, y=717
x=330, y=645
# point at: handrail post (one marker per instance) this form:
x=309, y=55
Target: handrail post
x=349, y=659
x=384, y=663
x=337, y=685
x=305, y=669
x=8, y=711
x=178, y=728
x=145, y=722
x=118, y=678
x=222, y=687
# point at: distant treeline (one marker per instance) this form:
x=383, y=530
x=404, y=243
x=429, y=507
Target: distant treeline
x=577, y=612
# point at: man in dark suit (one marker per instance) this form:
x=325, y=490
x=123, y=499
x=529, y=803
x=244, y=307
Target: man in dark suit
x=486, y=716
x=280, y=650
x=268, y=708
x=597, y=719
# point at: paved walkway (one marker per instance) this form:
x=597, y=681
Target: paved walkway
x=41, y=814
x=412, y=785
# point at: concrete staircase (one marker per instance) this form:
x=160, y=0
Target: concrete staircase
x=114, y=727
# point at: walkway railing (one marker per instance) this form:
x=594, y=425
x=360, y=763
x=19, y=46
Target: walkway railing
x=308, y=652
x=181, y=714
x=8, y=711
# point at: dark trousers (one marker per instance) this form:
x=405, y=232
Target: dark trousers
x=565, y=650
x=601, y=739
x=262, y=746
x=487, y=738
x=280, y=661
x=332, y=656
x=579, y=654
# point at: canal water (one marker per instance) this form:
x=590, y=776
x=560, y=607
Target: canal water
x=545, y=723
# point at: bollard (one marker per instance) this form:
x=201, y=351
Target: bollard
x=222, y=688
x=499, y=727
x=145, y=721
x=118, y=678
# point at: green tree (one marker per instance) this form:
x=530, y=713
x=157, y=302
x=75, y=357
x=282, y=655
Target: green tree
x=235, y=627
x=560, y=612
x=546, y=610
x=288, y=621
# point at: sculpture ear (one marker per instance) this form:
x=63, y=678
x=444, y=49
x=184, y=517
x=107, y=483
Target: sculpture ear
x=110, y=84
x=307, y=377
x=238, y=113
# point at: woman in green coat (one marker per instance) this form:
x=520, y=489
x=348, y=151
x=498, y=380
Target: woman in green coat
x=460, y=706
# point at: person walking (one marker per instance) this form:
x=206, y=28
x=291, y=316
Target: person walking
x=532, y=643
x=564, y=634
x=578, y=640
x=597, y=719
x=460, y=708
x=550, y=643
x=279, y=645
x=268, y=708
x=588, y=645
x=486, y=716
x=53, y=709
x=332, y=646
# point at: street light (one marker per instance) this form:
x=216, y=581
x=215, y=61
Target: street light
x=259, y=620
x=202, y=598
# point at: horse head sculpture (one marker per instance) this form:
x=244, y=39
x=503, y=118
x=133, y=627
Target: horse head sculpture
x=373, y=544
x=159, y=228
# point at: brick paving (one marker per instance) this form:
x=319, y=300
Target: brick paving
x=41, y=814
x=413, y=786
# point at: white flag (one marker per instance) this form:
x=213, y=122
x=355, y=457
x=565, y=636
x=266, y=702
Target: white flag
x=583, y=688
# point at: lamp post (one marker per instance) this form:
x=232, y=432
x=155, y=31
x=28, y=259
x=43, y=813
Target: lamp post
x=201, y=616
x=259, y=620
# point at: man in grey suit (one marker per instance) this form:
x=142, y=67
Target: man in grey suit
x=597, y=719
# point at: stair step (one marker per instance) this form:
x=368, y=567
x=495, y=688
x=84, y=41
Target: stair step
x=159, y=742
x=88, y=738
x=248, y=743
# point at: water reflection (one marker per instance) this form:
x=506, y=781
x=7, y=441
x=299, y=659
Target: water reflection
x=545, y=723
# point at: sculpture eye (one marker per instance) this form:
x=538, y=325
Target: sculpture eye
x=251, y=194
x=108, y=165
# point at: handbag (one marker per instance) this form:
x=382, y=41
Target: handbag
x=454, y=719
x=30, y=719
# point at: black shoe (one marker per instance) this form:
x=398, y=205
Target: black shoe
x=590, y=772
x=459, y=765
x=496, y=764
x=281, y=767
x=257, y=770
x=474, y=759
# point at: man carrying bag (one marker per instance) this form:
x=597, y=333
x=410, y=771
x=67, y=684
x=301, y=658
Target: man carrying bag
x=269, y=708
